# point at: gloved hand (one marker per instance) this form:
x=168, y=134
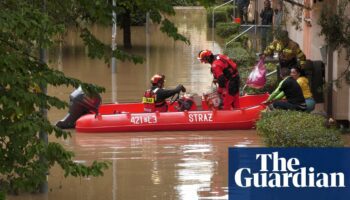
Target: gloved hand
x=183, y=89
x=262, y=56
x=266, y=102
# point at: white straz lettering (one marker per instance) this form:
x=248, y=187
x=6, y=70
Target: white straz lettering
x=198, y=117
x=139, y=119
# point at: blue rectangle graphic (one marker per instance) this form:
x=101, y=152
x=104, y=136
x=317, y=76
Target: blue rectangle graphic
x=289, y=173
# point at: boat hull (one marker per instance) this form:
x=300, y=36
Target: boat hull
x=117, y=118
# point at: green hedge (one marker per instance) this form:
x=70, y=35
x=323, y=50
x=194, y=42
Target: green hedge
x=282, y=128
x=222, y=14
x=226, y=29
x=242, y=56
x=184, y=2
x=240, y=41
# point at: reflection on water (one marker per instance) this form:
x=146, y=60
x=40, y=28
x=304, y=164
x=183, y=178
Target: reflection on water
x=166, y=165
x=162, y=165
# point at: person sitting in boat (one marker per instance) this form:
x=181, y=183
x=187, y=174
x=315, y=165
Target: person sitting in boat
x=296, y=73
x=155, y=98
x=226, y=75
x=290, y=89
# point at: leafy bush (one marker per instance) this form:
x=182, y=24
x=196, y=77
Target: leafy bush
x=240, y=55
x=184, y=2
x=222, y=14
x=240, y=41
x=226, y=29
x=138, y=19
x=282, y=128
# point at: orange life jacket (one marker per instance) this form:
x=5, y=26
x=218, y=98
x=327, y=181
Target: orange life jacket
x=148, y=100
x=150, y=103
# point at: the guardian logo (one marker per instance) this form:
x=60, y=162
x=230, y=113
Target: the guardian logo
x=289, y=173
x=279, y=172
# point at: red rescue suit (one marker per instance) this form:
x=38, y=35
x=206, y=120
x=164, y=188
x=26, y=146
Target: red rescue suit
x=226, y=75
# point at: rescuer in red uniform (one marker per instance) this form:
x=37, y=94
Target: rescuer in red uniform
x=226, y=75
x=154, y=98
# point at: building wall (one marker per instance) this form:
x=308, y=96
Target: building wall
x=310, y=41
x=341, y=97
x=294, y=34
x=316, y=41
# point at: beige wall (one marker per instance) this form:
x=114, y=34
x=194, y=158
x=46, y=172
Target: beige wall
x=341, y=96
x=317, y=41
x=310, y=41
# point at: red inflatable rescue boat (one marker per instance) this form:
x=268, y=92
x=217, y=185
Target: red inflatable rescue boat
x=129, y=117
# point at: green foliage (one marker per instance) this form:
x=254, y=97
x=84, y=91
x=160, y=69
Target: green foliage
x=170, y=29
x=240, y=41
x=282, y=128
x=225, y=30
x=221, y=14
x=242, y=56
x=138, y=19
x=24, y=28
x=184, y=2
x=335, y=27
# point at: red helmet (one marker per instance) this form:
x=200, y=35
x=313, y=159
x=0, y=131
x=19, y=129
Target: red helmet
x=204, y=55
x=157, y=79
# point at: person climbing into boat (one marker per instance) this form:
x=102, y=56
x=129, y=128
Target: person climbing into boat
x=226, y=75
x=290, y=89
x=296, y=73
x=154, y=98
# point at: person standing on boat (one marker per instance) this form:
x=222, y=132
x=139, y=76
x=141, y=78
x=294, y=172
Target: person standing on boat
x=226, y=75
x=154, y=98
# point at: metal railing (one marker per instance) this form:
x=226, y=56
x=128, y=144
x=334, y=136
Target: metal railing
x=213, y=18
x=239, y=35
x=250, y=26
